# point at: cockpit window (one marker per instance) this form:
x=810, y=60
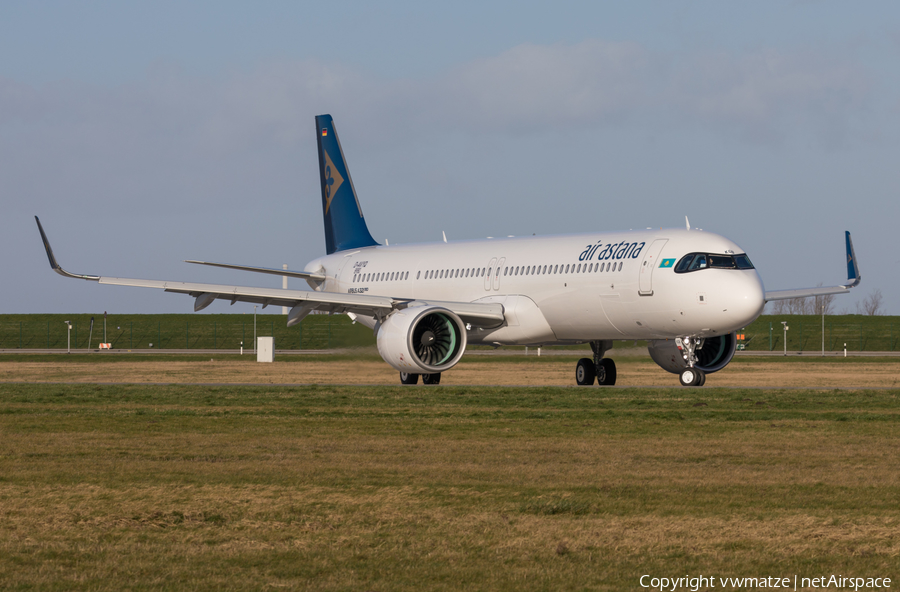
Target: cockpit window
x=698, y=261
x=684, y=263
x=722, y=261
x=743, y=262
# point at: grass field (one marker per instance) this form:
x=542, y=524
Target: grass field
x=227, y=331
x=365, y=367
x=179, y=331
x=144, y=487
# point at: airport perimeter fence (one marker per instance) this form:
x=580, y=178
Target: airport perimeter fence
x=855, y=332
x=228, y=331
x=169, y=332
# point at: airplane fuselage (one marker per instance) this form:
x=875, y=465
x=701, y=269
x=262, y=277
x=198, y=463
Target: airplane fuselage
x=564, y=289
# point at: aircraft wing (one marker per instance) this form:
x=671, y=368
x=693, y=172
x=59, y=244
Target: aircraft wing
x=305, y=275
x=302, y=302
x=853, y=279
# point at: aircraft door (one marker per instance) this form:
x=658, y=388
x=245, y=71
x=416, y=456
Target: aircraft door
x=338, y=280
x=489, y=274
x=648, y=265
x=497, y=272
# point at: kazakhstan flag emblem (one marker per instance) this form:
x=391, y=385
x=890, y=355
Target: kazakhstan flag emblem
x=667, y=263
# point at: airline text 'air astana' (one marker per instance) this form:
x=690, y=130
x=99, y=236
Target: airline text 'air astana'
x=685, y=292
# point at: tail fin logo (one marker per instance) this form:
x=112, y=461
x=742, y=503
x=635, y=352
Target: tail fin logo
x=333, y=180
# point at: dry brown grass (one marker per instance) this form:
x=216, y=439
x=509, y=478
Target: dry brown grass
x=473, y=370
x=377, y=488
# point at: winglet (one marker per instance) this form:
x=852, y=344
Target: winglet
x=853, y=276
x=54, y=265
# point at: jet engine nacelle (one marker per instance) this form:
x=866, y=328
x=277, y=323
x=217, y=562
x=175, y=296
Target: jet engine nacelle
x=421, y=339
x=714, y=355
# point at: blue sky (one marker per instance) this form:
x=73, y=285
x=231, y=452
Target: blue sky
x=145, y=133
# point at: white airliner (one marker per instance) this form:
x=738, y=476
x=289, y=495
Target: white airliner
x=684, y=291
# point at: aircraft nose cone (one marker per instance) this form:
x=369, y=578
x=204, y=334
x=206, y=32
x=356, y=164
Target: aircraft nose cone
x=745, y=300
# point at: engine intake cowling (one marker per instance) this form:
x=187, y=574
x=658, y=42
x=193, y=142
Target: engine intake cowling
x=712, y=357
x=421, y=339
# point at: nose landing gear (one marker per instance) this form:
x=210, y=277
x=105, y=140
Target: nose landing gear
x=690, y=376
x=599, y=368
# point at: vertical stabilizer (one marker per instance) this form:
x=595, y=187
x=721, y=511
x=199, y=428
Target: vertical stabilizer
x=345, y=226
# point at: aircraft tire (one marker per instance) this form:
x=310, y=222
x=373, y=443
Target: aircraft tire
x=692, y=377
x=607, y=375
x=431, y=378
x=408, y=378
x=689, y=377
x=585, y=373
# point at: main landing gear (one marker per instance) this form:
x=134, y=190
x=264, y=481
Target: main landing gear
x=601, y=369
x=407, y=378
x=690, y=376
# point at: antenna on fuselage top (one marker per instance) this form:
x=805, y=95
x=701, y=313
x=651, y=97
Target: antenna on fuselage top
x=687, y=223
x=445, y=235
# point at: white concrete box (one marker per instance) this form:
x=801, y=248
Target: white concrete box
x=265, y=349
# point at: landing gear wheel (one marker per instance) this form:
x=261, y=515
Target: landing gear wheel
x=407, y=378
x=692, y=377
x=585, y=372
x=431, y=378
x=606, y=373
